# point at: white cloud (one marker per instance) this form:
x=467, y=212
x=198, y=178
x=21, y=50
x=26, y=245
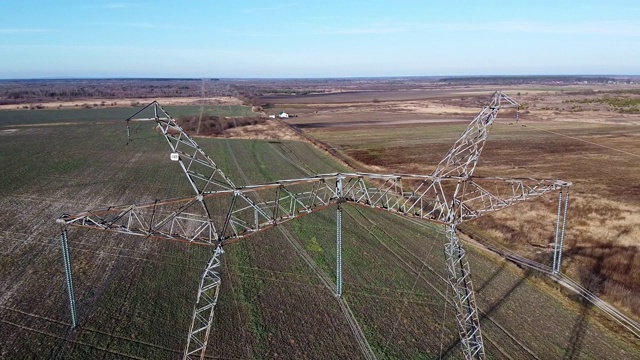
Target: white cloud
x=115, y=5
x=587, y=28
x=140, y=25
x=363, y=30
x=24, y=30
x=260, y=10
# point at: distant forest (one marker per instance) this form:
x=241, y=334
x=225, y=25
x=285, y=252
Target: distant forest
x=512, y=80
x=29, y=91
x=250, y=90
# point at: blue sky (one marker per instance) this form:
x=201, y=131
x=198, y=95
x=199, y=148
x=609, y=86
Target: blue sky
x=326, y=38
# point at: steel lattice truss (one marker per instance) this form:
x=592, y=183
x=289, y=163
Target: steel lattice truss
x=228, y=215
x=203, y=310
x=463, y=157
x=221, y=213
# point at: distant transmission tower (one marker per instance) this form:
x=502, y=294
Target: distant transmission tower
x=450, y=196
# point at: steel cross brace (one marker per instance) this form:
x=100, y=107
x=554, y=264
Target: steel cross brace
x=459, y=275
x=244, y=214
x=558, y=243
x=204, y=309
x=340, y=198
x=69, y=277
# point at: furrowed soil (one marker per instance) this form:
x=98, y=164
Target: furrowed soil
x=135, y=295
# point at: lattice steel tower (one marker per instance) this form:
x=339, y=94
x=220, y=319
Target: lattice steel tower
x=449, y=196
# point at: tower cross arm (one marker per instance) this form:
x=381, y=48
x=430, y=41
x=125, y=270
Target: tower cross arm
x=481, y=196
x=227, y=215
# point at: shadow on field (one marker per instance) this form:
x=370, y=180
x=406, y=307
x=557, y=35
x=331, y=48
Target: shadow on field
x=604, y=259
x=578, y=332
x=594, y=277
x=485, y=315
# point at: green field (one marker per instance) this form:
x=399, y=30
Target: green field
x=23, y=117
x=135, y=295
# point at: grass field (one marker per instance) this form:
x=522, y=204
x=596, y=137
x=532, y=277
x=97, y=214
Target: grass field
x=135, y=295
x=24, y=117
x=600, y=159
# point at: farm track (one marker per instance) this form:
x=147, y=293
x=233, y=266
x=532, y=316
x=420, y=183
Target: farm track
x=289, y=157
x=366, y=349
x=356, y=330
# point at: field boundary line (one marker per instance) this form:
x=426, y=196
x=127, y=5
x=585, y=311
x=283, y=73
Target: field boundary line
x=578, y=139
x=276, y=280
x=390, y=298
x=324, y=147
x=35, y=315
x=74, y=341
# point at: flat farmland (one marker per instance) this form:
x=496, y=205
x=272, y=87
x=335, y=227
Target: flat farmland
x=405, y=92
x=370, y=95
x=595, y=148
x=31, y=117
x=135, y=295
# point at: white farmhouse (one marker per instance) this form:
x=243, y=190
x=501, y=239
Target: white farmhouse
x=283, y=115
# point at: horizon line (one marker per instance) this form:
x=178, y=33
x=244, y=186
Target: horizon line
x=311, y=77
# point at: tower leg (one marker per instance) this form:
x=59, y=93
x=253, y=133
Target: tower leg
x=339, y=237
x=556, y=242
x=463, y=297
x=69, y=278
x=203, y=310
x=562, y=231
x=339, y=252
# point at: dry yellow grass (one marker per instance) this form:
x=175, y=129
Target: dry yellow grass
x=269, y=130
x=597, y=150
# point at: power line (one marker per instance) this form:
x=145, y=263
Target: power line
x=583, y=140
x=449, y=196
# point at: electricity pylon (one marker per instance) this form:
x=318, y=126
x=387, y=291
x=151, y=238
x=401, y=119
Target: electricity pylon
x=221, y=213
